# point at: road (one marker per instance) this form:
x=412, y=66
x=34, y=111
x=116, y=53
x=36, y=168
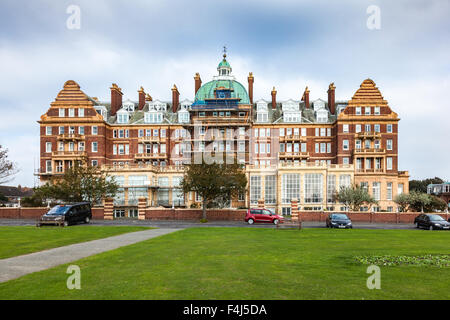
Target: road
x=190, y=224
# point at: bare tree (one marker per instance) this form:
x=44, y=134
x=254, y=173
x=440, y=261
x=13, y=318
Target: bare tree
x=7, y=167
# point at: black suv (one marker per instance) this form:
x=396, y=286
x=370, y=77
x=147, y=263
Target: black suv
x=67, y=214
x=431, y=222
x=338, y=220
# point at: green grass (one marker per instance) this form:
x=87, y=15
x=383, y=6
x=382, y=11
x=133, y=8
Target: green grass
x=247, y=263
x=17, y=241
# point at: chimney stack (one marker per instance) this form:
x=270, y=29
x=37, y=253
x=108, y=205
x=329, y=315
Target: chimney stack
x=306, y=97
x=175, y=98
x=331, y=98
x=198, y=82
x=141, y=98
x=274, y=98
x=116, y=99
x=250, y=86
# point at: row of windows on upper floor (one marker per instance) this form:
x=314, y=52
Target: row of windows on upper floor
x=367, y=111
x=322, y=116
x=71, y=130
x=71, y=146
x=70, y=112
x=367, y=128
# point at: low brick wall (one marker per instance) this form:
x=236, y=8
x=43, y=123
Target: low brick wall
x=194, y=214
x=35, y=213
x=223, y=215
x=376, y=217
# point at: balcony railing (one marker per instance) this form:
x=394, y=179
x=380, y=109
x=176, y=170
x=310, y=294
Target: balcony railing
x=151, y=139
x=150, y=155
x=368, y=135
x=292, y=137
x=302, y=155
x=368, y=150
x=70, y=136
x=69, y=154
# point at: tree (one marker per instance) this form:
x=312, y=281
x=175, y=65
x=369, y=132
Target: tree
x=214, y=181
x=421, y=185
x=436, y=204
x=7, y=167
x=403, y=201
x=354, y=197
x=80, y=183
x=418, y=200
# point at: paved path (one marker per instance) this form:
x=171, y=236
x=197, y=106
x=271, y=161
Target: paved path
x=15, y=267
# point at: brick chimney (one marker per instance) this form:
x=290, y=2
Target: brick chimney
x=116, y=98
x=306, y=97
x=198, y=82
x=274, y=98
x=331, y=98
x=250, y=86
x=141, y=98
x=175, y=98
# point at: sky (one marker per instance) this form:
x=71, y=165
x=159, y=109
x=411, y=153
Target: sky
x=286, y=44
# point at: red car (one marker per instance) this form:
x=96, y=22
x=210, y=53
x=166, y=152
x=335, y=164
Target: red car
x=262, y=215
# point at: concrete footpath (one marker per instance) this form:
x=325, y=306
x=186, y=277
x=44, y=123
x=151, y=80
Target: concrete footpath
x=15, y=267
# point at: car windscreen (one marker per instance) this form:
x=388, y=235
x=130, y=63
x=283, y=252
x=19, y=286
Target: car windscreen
x=435, y=217
x=58, y=210
x=339, y=216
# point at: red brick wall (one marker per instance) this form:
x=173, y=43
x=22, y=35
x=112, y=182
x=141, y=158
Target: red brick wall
x=379, y=217
x=194, y=214
x=34, y=213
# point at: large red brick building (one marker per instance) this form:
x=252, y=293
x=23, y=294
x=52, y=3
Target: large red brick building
x=291, y=149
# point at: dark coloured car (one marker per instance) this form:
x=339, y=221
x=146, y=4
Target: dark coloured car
x=262, y=215
x=339, y=220
x=67, y=214
x=431, y=222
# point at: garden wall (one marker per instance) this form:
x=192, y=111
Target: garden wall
x=194, y=214
x=223, y=215
x=35, y=213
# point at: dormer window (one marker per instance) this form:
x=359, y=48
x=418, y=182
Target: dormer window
x=322, y=116
x=183, y=116
x=291, y=116
x=262, y=116
x=123, y=117
x=153, y=117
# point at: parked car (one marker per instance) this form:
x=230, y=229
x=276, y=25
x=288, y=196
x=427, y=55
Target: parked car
x=67, y=214
x=431, y=222
x=262, y=215
x=338, y=220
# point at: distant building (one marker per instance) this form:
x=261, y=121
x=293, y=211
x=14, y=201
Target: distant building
x=14, y=195
x=296, y=148
x=441, y=190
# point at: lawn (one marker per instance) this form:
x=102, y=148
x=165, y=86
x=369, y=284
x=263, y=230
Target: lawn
x=16, y=241
x=250, y=263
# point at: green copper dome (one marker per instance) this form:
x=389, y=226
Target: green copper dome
x=224, y=63
x=206, y=91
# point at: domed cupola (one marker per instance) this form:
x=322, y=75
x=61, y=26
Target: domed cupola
x=224, y=67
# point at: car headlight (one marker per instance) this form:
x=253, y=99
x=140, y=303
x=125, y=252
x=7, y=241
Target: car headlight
x=333, y=222
x=437, y=224
x=349, y=223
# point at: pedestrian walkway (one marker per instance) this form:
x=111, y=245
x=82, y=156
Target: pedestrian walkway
x=15, y=267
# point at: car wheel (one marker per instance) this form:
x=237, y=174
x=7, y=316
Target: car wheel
x=431, y=228
x=275, y=221
x=87, y=220
x=251, y=221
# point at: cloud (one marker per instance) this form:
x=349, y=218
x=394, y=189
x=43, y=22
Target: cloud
x=287, y=44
